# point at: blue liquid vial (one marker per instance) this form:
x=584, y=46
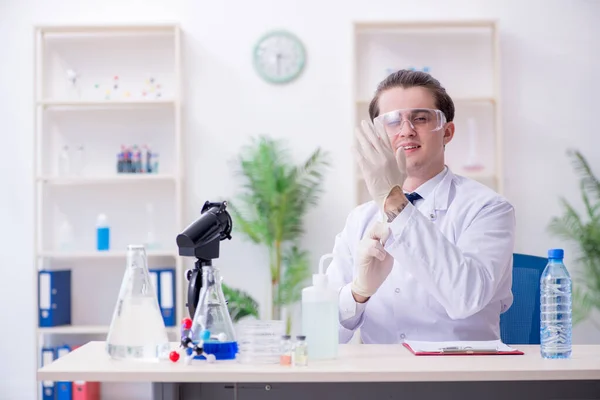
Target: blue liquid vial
x=102, y=233
x=555, y=308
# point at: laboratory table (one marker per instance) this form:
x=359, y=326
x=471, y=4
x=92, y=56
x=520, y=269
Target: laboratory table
x=360, y=372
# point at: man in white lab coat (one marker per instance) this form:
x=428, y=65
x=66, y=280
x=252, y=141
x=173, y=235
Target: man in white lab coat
x=430, y=257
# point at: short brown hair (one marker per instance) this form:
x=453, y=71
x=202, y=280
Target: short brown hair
x=408, y=78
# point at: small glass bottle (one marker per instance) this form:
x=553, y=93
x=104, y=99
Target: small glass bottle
x=300, y=353
x=79, y=160
x=64, y=162
x=285, y=357
x=155, y=162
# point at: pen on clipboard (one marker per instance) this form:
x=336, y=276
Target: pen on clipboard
x=466, y=350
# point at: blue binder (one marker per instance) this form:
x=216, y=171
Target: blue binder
x=164, y=281
x=63, y=389
x=54, y=298
x=48, y=356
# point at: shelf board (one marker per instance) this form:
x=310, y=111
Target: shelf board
x=75, y=329
x=104, y=104
x=106, y=180
x=490, y=100
x=103, y=29
x=102, y=255
x=85, y=330
x=438, y=26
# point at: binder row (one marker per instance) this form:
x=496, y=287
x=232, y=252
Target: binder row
x=63, y=390
x=54, y=296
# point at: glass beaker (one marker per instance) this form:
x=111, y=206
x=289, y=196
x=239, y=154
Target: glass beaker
x=137, y=330
x=212, y=323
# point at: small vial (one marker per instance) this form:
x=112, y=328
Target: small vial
x=300, y=353
x=285, y=357
x=155, y=162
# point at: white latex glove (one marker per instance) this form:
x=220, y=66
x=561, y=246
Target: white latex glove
x=374, y=263
x=382, y=168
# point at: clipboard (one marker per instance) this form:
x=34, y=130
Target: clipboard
x=487, y=348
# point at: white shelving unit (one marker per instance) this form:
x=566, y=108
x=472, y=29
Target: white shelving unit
x=127, y=92
x=464, y=56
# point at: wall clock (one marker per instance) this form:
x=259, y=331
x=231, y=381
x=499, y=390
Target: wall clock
x=279, y=57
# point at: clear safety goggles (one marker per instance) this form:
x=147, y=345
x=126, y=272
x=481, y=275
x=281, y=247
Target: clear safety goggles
x=421, y=120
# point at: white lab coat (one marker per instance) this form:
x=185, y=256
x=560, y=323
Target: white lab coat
x=452, y=272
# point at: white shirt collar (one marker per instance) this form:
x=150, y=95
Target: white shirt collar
x=428, y=187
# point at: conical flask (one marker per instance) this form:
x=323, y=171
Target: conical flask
x=212, y=323
x=137, y=330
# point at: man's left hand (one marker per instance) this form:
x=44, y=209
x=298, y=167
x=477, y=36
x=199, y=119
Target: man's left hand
x=382, y=168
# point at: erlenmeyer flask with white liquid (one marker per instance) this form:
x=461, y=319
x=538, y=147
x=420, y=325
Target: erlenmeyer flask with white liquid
x=137, y=331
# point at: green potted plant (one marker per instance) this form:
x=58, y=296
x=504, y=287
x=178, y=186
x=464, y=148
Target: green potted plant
x=584, y=232
x=275, y=196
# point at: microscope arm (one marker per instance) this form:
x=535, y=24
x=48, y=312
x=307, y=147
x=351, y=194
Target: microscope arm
x=194, y=277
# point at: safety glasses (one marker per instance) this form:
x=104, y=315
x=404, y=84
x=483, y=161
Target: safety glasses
x=421, y=120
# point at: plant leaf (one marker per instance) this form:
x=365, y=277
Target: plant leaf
x=582, y=305
x=295, y=275
x=239, y=303
x=583, y=169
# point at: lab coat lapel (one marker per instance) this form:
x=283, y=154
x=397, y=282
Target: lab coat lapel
x=442, y=195
x=438, y=200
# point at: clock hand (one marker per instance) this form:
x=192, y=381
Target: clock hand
x=278, y=63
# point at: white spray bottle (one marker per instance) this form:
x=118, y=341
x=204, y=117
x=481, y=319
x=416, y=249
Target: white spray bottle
x=320, y=316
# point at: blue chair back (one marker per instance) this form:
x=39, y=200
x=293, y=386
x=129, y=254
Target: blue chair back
x=520, y=324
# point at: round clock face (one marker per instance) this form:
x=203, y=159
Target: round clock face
x=279, y=57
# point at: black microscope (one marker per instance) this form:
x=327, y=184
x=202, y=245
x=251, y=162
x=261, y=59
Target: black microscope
x=201, y=240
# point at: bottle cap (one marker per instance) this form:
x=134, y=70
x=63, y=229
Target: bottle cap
x=300, y=337
x=101, y=220
x=556, y=254
x=286, y=337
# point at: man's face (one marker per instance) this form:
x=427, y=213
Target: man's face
x=424, y=150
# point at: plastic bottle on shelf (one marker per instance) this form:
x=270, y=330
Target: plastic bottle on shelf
x=150, y=241
x=149, y=161
x=79, y=160
x=555, y=308
x=102, y=233
x=65, y=237
x=64, y=162
x=473, y=162
x=145, y=160
x=320, y=316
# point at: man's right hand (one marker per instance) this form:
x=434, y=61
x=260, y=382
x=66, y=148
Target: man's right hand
x=374, y=263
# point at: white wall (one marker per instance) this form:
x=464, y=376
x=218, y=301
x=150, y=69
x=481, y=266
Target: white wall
x=550, y=51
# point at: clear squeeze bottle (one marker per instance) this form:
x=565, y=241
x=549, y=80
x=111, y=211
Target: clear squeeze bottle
x=320, y=320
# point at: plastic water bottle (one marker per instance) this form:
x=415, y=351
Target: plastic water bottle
x=320, y=316
x=555, y=308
